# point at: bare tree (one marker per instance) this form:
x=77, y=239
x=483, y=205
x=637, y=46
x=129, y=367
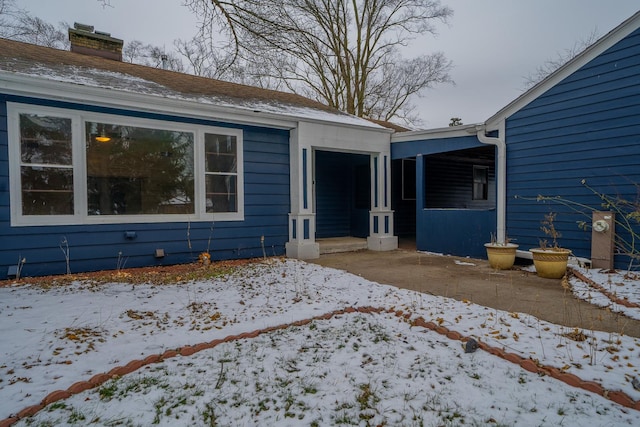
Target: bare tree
x=8, y=10
x=203, y=58
x=561, y=58
x=345, y=53
x=18, y=24
x=133, y=50
x=31, y=29
x=137, y=52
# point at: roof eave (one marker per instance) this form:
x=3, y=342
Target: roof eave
x=41, y=87
x=448, y=132
x=38, y=87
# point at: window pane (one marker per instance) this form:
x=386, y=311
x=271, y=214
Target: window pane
x=220, y=153
x=480, y=180
x=47, y=191
x=135, y=171
x=221, y=193
x=480, y=174
x=45, y=140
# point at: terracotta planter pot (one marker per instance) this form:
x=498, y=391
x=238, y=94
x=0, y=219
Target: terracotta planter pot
x=501, y=257
x=550, y=263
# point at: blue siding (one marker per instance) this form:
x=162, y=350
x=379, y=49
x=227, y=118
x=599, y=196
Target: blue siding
x=342, y=201
x=96, y=247
x=455, y=231
x=585, y=127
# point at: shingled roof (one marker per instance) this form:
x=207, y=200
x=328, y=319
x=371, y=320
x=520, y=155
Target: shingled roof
x=71, y=67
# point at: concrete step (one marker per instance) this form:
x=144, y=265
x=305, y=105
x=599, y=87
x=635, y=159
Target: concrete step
x=341, y=244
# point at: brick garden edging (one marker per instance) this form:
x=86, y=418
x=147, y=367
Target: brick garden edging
x=601, y=289
x=527, y=364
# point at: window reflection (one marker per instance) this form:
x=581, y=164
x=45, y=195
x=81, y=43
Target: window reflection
x=137, y=171
x=221, y=167
x=46, y=165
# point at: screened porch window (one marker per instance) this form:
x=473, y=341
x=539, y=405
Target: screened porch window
x=461, y=179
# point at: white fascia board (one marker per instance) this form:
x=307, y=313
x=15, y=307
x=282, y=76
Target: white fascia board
x=448, y=132
x=24, y=85
x=590, y=53
x=344, y=137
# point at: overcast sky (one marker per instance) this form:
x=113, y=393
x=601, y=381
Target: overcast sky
x=493, y=44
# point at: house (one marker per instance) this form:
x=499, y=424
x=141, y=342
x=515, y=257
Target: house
x=106, y=164
x=574, y=134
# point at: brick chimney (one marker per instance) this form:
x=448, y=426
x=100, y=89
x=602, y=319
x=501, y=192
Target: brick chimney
x=96, y=43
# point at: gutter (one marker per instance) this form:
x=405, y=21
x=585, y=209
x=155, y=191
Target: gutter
x=501, y=176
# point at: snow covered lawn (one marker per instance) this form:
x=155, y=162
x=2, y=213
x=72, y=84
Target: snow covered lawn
x=351, y=369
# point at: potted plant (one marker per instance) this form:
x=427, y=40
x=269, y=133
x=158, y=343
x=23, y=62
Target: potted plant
x=550, y=261
x=501, y=254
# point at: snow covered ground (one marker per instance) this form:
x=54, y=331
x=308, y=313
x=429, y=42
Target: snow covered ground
x=353, y=369
x=612, y=287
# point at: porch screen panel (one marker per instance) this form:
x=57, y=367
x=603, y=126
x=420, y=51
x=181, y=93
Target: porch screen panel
x=138, y=171
x=46, y=168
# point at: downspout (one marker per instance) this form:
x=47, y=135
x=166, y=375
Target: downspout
x=501, y=176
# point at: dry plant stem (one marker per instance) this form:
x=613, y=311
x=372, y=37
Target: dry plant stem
x=64, y=247
x=627, y=217
x=21, y=263
x=210, y=236
x=189, y=234
x=548, y=227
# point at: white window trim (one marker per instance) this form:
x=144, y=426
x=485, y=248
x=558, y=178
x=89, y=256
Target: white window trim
x=80, y=216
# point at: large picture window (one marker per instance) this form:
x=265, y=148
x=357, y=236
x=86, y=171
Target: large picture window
x=138, y=171
x=70, y=167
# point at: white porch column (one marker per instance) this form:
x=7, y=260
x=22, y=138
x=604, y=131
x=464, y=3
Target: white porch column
x=381, y=236
x=302, y=220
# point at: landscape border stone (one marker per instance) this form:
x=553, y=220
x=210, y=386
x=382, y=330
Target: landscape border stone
x=525, y=363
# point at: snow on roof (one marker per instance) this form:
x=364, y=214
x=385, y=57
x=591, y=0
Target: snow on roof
x=82, y=70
